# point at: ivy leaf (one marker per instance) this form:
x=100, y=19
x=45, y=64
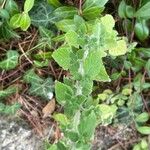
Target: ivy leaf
x=62, y=57
x=72, y=38
x=42, y=14
x=120, y=49
x=11, y=61
x=39, y=87
x=63, y=92
x=7, y=92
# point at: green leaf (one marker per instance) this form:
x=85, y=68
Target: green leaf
x=11, y=61
x=141, y=30
x=65, y=12
x=39, y=87
x=55, y=3
x=147, y=66
x=28, y=5
x=42, y=14
x=144, y=144
x=122, y=9
x=15, y=20
x=120, y=49
x=25, y=21
x=12, y=7
x=61, y=118
x=4, y=14
x=7, y=92
x=92, y=12
x=143, y=12
x=52, y=147
x=87, y=126
x=144, y=130
x=62, y=57
x=89, y=3
x=66, y=25
x=63, y=92
x=142, y=118
x=72, y=38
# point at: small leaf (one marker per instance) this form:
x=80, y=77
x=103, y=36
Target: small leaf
x=120, y=49
x=63, y=92
x=15, y=20
x=28, y=5
x=142, y=118
x=141, y=30
x=144, y=130
x=25, y=21
x=11, y=61
x=4, y=14
x=62, y=57
x=144, y=144
x=122, y=9
x=61, y=118
x=55, y=3
x=72, y=38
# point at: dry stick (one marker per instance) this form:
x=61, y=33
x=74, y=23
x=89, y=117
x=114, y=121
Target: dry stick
x=80, y=7
x=24, y=54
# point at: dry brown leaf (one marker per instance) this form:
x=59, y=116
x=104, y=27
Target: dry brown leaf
x=49, y=108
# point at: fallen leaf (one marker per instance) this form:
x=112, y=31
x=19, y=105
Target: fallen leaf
x=49, y=108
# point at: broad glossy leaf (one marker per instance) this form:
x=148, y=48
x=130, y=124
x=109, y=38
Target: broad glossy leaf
x=143, y=12
x=141, y=30
x=25, y=21
x=143, y=117
x=55, y=3
x=28, y=5
x=62, y=57
x=144, y=130
x=92, y=12
x=11, y=61
x=63, y=92
x=15, y=20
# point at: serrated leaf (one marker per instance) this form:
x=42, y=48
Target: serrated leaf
x=87, y=126
x=72, y=38
x=63, y=92
x=42, y=14
x=120, y=49
x=28, y=5
x=11, y=61
x=62, y=57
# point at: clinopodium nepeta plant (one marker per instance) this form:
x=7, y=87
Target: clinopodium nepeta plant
x=85, y=46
